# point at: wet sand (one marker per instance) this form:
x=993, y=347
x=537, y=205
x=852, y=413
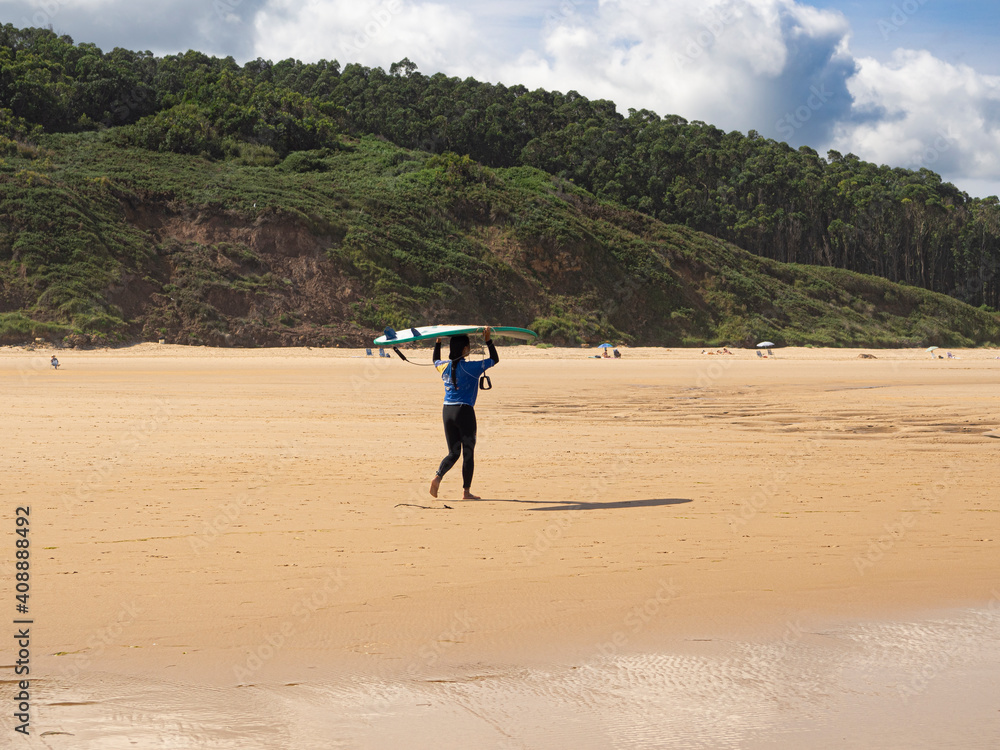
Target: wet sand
x=234, y=547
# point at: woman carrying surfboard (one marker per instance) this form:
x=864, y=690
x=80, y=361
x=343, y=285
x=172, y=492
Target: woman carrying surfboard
x=461, y=386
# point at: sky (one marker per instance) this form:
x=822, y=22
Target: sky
x=910, y=83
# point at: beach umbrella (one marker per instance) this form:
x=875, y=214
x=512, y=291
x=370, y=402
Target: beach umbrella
x=931, y=348
x=766, y=345
x=604, y=346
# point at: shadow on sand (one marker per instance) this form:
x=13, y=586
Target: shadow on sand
x=575, y=505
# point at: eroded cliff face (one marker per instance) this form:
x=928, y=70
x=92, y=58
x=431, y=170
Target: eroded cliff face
x=220, y=280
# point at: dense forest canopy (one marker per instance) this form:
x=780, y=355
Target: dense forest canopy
x=778, y=202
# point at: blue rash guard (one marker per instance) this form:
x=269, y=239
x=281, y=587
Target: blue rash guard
x=466, y=388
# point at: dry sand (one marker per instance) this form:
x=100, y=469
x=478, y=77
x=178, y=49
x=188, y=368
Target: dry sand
x=236, y=548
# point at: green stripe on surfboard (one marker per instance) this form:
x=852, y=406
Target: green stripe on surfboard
x=409, y=335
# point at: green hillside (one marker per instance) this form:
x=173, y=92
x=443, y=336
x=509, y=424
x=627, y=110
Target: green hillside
x=102, y=241
x=778, y=202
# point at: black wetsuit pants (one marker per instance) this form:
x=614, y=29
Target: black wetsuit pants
x=460, y=432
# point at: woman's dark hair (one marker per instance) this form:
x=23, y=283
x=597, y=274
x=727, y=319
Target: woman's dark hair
x=455, y=353
x=458, y=344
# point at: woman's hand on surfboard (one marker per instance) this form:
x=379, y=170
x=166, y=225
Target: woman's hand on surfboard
x=486, y=333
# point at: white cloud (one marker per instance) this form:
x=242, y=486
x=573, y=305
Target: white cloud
x=734, y=63
x=371, y=32
x=215, y=27
x=925, y=113
x=738, y=64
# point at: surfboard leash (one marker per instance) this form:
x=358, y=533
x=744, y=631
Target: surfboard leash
x=403, y=357
x=418, y=364
x=485, y=384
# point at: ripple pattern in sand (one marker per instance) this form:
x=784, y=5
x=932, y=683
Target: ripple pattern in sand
x=917, y=685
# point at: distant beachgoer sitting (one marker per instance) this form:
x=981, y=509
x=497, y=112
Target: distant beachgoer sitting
x=54, y=362
x=618, y=354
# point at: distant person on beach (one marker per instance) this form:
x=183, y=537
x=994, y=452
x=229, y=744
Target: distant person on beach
x=461, y=387
x=618, y=354
x=54, y=362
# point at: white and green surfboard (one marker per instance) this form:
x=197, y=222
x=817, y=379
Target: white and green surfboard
x=410, y=335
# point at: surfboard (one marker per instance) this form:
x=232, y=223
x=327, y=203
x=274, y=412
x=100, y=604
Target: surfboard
x=409, y=335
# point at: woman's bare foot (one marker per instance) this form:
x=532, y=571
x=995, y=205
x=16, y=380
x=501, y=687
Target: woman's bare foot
x=435, y=484
x=469, y=496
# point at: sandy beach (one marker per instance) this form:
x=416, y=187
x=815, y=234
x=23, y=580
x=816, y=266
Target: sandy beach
x=236, y=548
